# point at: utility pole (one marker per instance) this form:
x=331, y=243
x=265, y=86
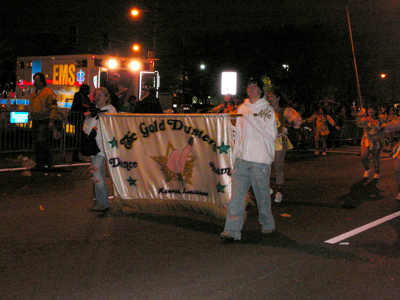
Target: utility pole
x=354, y=56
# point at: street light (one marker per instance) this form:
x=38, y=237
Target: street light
x=136, y=47
x=135, y=12
x=383, y=77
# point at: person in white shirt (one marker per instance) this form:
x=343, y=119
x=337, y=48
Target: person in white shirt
x=102, y=99
x=254, y=152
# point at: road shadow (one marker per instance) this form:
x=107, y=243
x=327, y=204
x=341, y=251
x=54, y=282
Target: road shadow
x=304, y=203
x=275, y=239
x=177, y=221
x=361, y=191
x=278, y=240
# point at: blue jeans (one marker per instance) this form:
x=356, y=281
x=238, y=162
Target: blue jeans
x=248, y=174
x=41, y=134
x=99, y=178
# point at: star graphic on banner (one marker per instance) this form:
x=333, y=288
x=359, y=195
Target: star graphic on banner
x=220, y=188
x=223, y=148
x=114, y=143
x=131, y=181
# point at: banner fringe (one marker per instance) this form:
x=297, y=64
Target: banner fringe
x=132, y=205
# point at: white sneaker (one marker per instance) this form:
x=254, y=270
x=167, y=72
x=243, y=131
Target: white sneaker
x=376, y=176
x=278, y=197
x=367, y=174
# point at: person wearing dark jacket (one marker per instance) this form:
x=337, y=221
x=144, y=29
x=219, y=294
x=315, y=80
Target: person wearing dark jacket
x=149, y=104
x=80, y=105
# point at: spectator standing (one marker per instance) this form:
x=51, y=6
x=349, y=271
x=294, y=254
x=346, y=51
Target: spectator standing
x=79, y=107
x=129, y=105
x=101, y=99
x=117, y=91
x=229, y=106
x=285, y=117
x=339, y=117
x=148, y=104
x=390, y=127
x=389, y=116
x=254, y=152
x=373, y=139
x=321, y=129
x=43, y=113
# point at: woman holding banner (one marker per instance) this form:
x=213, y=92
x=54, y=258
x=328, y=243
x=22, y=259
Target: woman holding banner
x=101, y=99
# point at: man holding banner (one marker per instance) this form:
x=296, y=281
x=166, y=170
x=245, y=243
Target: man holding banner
x=254, y=152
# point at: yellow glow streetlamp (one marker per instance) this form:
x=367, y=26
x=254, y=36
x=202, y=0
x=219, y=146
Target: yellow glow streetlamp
x=135, y=12
x=136, y=47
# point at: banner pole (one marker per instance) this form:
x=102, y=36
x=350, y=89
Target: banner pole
x=354, y=57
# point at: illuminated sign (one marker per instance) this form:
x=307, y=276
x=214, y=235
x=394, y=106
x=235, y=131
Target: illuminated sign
x=19, y=117
x=64, y=74
x=229, y=82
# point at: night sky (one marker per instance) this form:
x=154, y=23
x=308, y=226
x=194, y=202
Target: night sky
x=24, y=22
x=377, y=18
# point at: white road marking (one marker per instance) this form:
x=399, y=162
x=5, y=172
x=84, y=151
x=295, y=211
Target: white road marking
x=362, y=228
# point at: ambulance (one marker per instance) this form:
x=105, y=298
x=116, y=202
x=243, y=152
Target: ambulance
x=66, y=73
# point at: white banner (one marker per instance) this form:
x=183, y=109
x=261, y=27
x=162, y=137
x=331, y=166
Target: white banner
x=169, y=161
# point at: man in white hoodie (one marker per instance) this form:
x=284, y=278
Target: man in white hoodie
x=254, y=152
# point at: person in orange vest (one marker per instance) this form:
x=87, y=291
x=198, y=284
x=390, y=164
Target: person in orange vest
x=43, y=112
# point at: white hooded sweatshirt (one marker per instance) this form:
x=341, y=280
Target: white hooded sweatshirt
x=255, y=135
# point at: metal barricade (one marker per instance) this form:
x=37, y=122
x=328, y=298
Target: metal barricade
x=349, y=132
x=17, y=137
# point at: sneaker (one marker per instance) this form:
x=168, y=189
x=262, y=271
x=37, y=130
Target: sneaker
x=398, y=197
x=376, y=176
x=324, y=153
x=278, y=197
x=367, y=174
x=267, y=231
x=99, y=207
x=316, y=152
x=227, y=239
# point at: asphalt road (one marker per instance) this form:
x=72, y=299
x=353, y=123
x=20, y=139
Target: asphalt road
x=53, y=247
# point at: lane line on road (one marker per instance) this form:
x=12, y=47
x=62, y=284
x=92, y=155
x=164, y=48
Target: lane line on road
x=362, y=228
